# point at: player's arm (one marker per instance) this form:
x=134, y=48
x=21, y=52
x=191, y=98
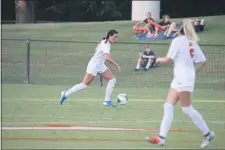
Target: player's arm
x=173, y=50
x=199, y=66
x=163, y=60
x=111, y=61
x=106, y=51
x=199, y=58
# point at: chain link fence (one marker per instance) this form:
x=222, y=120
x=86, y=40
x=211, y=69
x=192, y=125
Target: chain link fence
x=48, y=62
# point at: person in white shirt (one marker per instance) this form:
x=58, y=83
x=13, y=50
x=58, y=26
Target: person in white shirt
x=185, y=53
x=97, y=66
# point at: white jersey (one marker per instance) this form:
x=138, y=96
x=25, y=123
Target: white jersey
x=185, y=53
x=98, y=60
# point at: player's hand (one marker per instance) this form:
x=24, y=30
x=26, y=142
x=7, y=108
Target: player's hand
x=118, y=68
x=158, y=60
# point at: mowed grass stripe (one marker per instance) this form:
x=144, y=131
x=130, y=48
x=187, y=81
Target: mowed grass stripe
x=89, y=140
x=8, y=100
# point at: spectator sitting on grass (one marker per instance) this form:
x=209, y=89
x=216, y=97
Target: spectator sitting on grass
x=168, y=27
x=147, y=28
x=146, y=59
x=199, y=24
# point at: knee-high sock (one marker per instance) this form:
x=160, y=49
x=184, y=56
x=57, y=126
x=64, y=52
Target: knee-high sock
x=109, y=89
x=76, y=88
x=167, y=119
x=196, y=118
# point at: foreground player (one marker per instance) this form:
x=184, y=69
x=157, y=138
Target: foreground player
x=184, y=52
x=97, y=65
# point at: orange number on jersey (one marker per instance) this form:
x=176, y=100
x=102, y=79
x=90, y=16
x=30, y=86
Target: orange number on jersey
x=191, y=51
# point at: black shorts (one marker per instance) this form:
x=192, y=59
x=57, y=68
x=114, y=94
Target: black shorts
x=199, y=28
x=144, y=63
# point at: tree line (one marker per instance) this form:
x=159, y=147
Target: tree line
x=100, y=10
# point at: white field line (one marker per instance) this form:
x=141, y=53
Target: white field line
x=71, y=128
x=108, y=121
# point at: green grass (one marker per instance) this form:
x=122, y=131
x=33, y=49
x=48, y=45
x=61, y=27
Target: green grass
x=37, y=105
x=57, y=66
x=94, y=31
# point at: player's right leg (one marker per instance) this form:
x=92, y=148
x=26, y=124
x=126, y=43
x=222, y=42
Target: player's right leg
x=171, y=100
x=91, y=72
x=185, y=101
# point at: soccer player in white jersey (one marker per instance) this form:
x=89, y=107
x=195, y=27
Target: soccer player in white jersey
x=188, y=60
x=97, y=65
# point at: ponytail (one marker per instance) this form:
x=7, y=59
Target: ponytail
x=188, y=30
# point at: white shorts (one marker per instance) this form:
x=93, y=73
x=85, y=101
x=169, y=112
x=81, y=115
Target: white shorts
x=92, y=69
x=182, y=87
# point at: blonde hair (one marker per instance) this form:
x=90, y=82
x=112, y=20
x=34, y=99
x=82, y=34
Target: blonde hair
x=188, y=30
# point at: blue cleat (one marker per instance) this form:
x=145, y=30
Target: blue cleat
x=109, y=103
x=63, y=97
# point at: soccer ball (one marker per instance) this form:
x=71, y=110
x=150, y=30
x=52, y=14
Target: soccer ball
x=122, y=99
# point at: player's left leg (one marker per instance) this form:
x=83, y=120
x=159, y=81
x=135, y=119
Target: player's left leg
x=107, y=74
x=186, y=103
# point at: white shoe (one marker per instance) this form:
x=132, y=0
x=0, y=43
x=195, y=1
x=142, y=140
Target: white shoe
x=207, y=139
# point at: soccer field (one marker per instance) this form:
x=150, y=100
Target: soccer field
x=33, y=118
x=38, y=106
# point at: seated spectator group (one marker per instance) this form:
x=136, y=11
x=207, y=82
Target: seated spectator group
x=162, y=30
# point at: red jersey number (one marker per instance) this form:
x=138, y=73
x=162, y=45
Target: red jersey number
x=191, y=51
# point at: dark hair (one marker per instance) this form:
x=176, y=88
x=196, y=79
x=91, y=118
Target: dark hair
x=110, y=33
x=165, y=16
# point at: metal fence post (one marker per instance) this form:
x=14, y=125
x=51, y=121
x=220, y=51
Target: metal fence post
x=100, y=81
x=28, y=61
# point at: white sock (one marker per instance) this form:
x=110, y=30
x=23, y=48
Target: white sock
x=138, y=66
x=148, y=64
x=167, y=119
x=196, y=118
x=76, y=88
x=109, y=89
